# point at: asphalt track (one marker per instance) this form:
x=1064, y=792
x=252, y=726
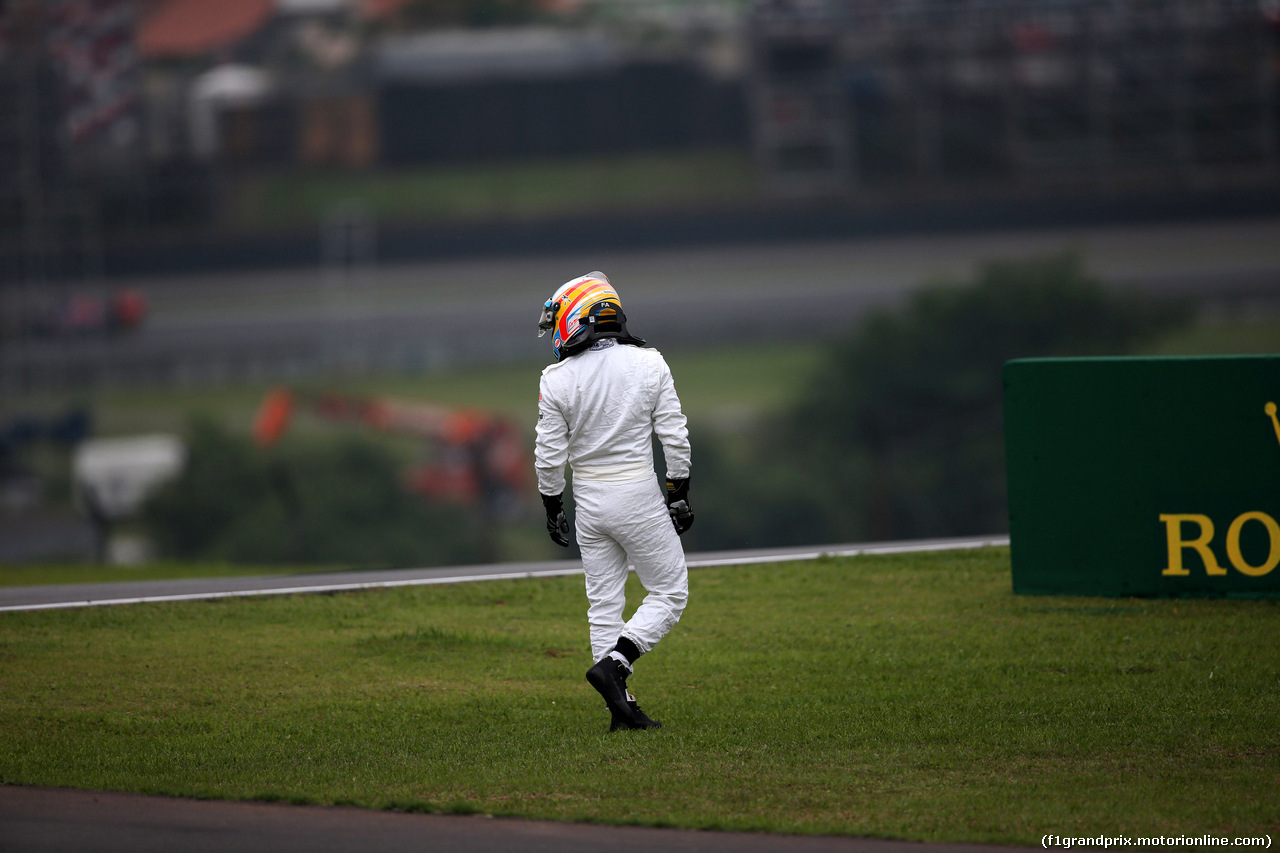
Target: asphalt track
x=141, y=592
x=281, y=325
x=58, y=820
x=47, y=820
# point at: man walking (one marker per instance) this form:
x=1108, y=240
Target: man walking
x=599, y=405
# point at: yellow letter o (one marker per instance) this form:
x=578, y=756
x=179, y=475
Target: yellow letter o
x=1233, y=544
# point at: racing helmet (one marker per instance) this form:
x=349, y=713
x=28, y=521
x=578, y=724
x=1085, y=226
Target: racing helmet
x=582, y=311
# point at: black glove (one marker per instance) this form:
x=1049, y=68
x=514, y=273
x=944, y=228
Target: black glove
x=678, y=504
x=557, y=524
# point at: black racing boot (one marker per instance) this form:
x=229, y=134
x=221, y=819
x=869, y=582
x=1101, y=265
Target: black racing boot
x=639, y=719
x=609, y=678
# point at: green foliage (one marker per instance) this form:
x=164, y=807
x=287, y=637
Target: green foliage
x=909, y=697
x=899, y=433
x=341, y=502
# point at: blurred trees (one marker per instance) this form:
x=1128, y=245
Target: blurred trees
x=899, y=434
x=341, y=502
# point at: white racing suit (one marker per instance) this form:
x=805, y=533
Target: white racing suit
x=598, y=411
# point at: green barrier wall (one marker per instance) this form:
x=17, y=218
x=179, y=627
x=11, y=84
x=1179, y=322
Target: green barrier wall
x=1144, y=476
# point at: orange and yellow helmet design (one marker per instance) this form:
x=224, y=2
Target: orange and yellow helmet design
x=577, y=306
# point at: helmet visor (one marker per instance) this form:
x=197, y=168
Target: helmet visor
x=547, y=321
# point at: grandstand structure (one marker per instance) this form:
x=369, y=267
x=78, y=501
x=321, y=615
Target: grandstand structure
x=67, y=109
x=850, y=97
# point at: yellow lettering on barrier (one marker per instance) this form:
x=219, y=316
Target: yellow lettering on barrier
x=1233, y=544
x=1173, y=530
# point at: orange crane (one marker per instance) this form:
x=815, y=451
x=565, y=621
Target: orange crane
x=476, y=458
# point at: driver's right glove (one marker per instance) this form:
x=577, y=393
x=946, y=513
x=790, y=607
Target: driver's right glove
x=678, y=503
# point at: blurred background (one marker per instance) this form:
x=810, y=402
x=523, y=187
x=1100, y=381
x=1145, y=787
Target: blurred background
x=270, y=269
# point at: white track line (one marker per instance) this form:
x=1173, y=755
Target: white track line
x=292, y=590
x=896, y=548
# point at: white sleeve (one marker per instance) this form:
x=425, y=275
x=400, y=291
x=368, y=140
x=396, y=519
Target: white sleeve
x=670, y=426
x=551, y=450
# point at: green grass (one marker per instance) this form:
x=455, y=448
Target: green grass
x=518, y=189
x=1249, y=336
x=910, y=696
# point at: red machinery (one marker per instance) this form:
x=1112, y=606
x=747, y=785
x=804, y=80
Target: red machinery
x=477, y=458
x=83, y=315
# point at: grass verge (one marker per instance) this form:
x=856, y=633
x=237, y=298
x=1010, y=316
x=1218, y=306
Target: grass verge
x=898, y=696
x=518, y=189
x=1236, y=336
x=714, y=383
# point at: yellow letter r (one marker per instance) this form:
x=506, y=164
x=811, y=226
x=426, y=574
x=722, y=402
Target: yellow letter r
x=1173, y=531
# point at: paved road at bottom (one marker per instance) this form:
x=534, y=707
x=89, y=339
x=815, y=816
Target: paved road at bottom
x=59, y=820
